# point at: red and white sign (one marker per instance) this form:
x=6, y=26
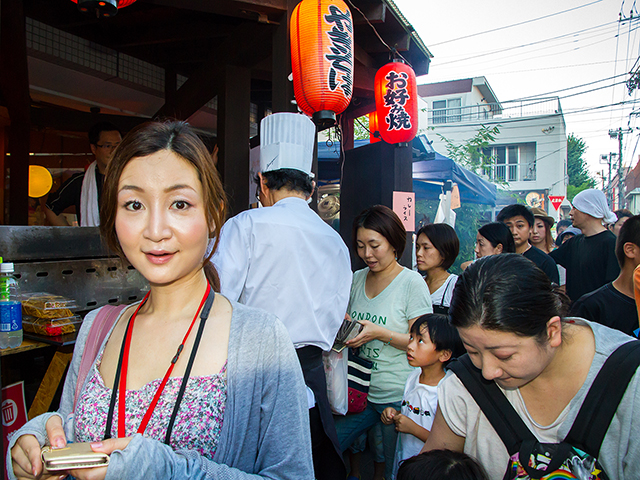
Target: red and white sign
x=404, y=206
x=556, y=200
x=14, y=412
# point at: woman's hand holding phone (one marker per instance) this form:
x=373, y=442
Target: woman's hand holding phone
x=105, y=446
x=25, y=454
x=27, y=460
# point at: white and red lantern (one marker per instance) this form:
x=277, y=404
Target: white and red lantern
x=322, y=57
x=102, y=8
x=396, y=97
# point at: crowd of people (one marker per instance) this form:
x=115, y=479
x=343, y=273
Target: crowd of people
x=218, y=372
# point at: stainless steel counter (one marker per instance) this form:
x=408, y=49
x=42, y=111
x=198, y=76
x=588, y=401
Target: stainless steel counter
x=72, y=262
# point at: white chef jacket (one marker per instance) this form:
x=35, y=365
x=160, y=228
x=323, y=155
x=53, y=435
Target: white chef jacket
x=286, y=260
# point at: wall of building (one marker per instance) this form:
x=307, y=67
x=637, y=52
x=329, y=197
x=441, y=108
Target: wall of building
x=542, y=141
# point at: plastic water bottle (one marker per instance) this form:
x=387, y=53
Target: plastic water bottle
x=10, y=308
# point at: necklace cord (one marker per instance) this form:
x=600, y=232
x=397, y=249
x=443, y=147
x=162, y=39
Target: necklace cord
x=203, y=319
x=123, y=362
x=112, y=403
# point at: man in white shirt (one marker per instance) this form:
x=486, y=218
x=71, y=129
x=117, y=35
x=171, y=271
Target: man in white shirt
x=285, y=259
x=83, y=190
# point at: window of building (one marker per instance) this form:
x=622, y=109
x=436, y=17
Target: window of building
x=512, y=163
x=440, y=111
x=447, y=111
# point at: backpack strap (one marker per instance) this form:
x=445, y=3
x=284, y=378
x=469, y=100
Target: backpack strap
x=494, y=405
x=599, y=406
x=105, y=319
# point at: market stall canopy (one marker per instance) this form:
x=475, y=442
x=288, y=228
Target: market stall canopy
x=430, y=171
x=430, y=175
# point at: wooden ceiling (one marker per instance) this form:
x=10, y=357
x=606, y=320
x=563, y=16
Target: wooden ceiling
x=194, y=37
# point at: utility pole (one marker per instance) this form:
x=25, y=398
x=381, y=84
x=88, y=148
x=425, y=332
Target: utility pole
x=619, y=134
x=606, y=159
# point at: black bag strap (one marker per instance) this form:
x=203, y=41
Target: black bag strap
x=494, y=404
x=204, y=314
x=592, y=422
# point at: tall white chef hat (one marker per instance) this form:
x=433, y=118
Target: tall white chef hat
x=286, y=141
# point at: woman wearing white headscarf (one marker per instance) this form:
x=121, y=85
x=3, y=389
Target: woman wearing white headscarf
x=589, y=258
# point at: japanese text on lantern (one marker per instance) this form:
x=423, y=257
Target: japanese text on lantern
x=341, y=57
x=396, y=98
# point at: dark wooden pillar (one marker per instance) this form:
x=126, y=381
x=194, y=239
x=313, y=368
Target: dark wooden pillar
x=346, y=124
x=282, y=86
x=15, y=89
x=371, y=174
x=233, y=136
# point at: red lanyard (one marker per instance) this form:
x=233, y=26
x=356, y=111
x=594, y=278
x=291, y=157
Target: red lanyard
x=125, y=363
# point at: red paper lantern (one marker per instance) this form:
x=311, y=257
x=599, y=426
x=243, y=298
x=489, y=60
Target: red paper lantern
x=374, y=130
x=102, y=8
x=322, y=57
x=396, y=102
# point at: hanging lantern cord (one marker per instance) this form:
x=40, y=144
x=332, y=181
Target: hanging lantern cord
x=338, y=130
x=367, y=129
x=393, y=50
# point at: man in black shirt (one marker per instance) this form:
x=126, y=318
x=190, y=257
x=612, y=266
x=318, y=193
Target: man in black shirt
x=104, y=137
x=589, y=258
x=520, y=219
x=614, y=304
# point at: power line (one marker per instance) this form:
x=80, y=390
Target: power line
x=515, y=24
x=553, y=68
x=498, y=121
x=607, y=28
x=569, y=88
x=525, y=44
x=502, y=50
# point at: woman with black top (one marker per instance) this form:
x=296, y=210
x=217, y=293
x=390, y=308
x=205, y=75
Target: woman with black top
x=437, y=247
x=492, y=239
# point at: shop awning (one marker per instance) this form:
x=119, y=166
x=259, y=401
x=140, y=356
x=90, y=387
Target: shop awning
x=430, y=171
x=429, y=177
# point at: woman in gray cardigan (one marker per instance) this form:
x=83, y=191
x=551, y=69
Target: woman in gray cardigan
x=242, y=411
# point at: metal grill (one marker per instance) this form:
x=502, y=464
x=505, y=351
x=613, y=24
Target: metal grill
x=71, y=262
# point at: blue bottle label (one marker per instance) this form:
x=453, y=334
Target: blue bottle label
x=10, y=317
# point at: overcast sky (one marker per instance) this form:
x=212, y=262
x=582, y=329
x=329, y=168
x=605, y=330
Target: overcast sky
x=528, y=55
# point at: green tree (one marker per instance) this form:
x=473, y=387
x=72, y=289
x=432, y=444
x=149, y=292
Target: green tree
x=361, y=128
x=579, y=177
x=473, y=153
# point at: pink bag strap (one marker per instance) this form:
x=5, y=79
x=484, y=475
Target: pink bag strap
x=100, y=327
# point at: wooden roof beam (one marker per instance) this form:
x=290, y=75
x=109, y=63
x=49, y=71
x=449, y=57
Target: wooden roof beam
x=171, y=34
x=363, y=57
x=204, y=84
x=232, y=8
x=400, y=40
x=375, y=12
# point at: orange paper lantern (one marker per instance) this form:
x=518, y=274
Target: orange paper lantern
x=322, y=57
x=374, y=131
x=396, y=102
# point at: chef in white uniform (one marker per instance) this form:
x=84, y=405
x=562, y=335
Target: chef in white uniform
x=285, y=259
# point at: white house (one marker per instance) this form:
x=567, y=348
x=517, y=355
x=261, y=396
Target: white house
x=530, y=152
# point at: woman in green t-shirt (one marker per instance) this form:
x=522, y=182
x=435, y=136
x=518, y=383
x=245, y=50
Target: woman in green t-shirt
x=385, y=298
